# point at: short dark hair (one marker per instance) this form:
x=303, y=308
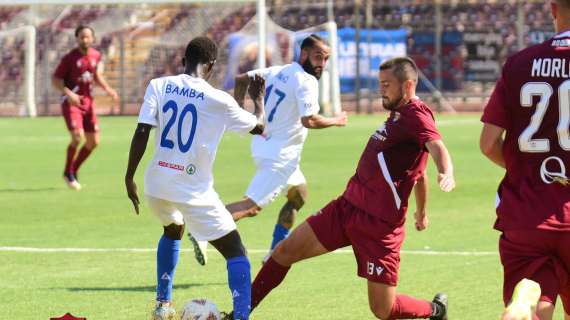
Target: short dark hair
x=404, y=68
x=81, y=28
x=311, y=41
x=201, y=50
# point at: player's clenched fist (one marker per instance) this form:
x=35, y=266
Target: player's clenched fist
x=341, y=119
x=446, y=182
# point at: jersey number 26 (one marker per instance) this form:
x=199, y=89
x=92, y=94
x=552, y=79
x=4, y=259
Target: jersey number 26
x=544, y=91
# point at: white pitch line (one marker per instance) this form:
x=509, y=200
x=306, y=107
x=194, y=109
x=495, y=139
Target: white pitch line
x=256, y=251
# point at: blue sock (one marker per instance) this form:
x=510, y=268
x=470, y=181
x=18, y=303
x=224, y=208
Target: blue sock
x=239, y=281
x=279, y=233
x=166, y=260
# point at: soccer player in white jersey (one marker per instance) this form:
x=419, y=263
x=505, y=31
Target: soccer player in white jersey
x=291, y=108
x=190, y=117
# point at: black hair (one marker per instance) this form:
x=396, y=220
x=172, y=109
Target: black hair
x=81, y=28
x=201, y=50
x=311, y=41
x=404, y=68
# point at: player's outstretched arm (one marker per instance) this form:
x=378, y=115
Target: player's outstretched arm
x=256, y=92
x=442, y=160
x=317, y=121
x=241, y=85
x=103, y=83
x=421, y=195
x=138, y=147
x=491, y=143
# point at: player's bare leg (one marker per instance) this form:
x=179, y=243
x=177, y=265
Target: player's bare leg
x=544, y=310
x=301, y=244
x=566, y=316
x=68, y=174
x=381, y=297
x=296, y=197
x=386, y=304
x=243, y=208
x=91, y=142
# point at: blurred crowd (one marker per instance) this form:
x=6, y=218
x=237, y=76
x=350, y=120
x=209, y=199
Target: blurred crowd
x=168, y=23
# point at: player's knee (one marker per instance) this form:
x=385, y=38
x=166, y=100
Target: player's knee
x=230, y=245
x=297, y=196
x=381, y=311
x=286, y=253
x=174, y=231
x=92, y=144
x=75, y=140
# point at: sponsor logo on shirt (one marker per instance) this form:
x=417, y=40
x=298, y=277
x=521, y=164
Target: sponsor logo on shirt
x=171, y=165
x=381, y=134
x=86, y=77
x=190, y=169
x=550, y=177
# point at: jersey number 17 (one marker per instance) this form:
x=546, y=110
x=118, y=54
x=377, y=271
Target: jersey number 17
x=280, y=96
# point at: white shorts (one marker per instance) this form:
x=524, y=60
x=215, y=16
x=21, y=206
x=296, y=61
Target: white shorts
x=271, y=179
x=205, y=223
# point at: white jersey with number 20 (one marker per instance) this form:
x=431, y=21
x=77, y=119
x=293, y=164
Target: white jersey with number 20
x=290, y=94
x=190, y=117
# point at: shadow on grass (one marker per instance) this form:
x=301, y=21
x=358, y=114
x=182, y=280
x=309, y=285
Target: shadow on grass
x=137, y=289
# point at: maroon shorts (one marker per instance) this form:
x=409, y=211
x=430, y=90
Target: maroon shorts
x=376, y=245
x=540, y=255
x=80, y=117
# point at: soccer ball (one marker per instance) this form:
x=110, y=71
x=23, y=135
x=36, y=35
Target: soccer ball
x=200, y=309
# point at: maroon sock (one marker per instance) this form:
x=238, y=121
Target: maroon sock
x=269, y=277
x=71, y=150
x=83, y=154
x=406, y=307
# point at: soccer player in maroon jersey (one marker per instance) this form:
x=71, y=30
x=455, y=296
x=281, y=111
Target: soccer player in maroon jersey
x=527, y=131
x=74, y=77
x=370, y=214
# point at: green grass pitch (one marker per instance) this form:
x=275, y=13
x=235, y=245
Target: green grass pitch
x=38, y=211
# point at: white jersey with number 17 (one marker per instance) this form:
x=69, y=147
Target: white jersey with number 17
x=190, y=117
x=290, y=94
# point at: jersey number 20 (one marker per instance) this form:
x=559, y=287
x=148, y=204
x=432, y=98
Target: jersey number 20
x=189, y=108
x=545, y=91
